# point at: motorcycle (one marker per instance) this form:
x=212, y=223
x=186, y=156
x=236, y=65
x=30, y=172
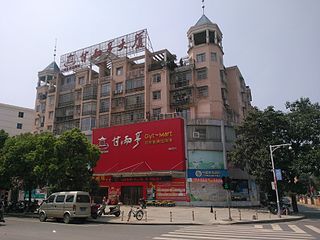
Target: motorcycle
x=97, y=210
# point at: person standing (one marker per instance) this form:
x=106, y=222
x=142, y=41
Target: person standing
x=2, y=210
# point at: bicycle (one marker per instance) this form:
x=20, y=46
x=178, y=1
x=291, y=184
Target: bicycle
x=137, y=213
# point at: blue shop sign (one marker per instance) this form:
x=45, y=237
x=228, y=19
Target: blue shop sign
x=207, y=173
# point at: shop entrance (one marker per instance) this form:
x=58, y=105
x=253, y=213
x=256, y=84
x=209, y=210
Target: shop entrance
x=131, y=195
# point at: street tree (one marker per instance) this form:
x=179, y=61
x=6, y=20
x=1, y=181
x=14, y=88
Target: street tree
x=75, y=157
x=18, y=162
x=299, y=126
x=4, y=181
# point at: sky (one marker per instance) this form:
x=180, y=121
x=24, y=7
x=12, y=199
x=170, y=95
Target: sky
x=275, y=43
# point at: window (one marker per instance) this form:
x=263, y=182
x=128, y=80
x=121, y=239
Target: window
x=89, y=108
x=213, y=57
x=137, y=83
x=50, y=114
x=19, y=125
x=81, y=80
x=104, y=121
x=51, y=198
x=221, y=60
x=83, y=199
x=203, y=91
x=156, y=95
x=60, y=198
x=211, y=37
x=199, y=38
x=69, y=198
x=49, y=128
x=134, y=101
x=119, y=71
x=156, y=78
x=88, y=124
x=118, y=88
x=20, y=114
x=201, y=57
x=156, y=112
x=201, y=73
x=50, y=100
x=104, y=105
x=105, y=89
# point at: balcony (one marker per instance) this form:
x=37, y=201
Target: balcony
x=183, y=97
x=156, y=66
x=105, y=79
x=134, y=106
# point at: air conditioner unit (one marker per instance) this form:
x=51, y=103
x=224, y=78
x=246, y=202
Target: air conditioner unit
x=196, y=135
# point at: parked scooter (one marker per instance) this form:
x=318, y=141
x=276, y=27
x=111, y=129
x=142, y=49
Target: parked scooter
x=97, y=210
x=284, y=208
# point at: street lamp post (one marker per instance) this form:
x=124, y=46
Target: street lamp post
x=272, y=149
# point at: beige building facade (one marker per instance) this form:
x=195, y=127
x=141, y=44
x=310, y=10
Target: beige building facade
x=16, y=120
x=124, y=81
x=122, y=89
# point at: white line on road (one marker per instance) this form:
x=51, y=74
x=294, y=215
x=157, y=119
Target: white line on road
x=296, y=229
x=313, y=228
x=276, y=227
x=258, y=226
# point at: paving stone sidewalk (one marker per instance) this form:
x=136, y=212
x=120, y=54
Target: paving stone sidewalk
x=196, y=215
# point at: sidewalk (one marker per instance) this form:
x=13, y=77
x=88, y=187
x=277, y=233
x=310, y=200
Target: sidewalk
x=196, y=215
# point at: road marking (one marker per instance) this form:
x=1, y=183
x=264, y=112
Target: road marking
x=296, y=229
x=276, y=227
x=258, y=226
x=313, y=228
x=231, y=232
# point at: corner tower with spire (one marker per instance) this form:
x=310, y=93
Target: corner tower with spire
x=206, y=51
x=205, y=48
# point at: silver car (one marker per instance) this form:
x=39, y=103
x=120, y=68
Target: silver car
x=66, y=206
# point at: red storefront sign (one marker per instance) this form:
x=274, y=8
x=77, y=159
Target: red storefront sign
x=142, y=147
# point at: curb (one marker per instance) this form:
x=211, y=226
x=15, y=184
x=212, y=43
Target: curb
x=221, y=222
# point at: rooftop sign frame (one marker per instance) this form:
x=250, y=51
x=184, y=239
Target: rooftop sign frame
x=127, y=45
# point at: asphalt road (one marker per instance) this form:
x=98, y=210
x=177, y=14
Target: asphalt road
x=31, y=229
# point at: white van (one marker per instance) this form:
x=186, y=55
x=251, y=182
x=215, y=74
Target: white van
x=66, y=206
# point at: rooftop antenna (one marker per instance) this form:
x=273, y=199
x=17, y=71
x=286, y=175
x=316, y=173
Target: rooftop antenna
x=203, y=7
x=55, y=50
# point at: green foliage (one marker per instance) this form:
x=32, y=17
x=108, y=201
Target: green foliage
x=299, y=126
x=60, y=163
x=75, y=157
x=3, y=137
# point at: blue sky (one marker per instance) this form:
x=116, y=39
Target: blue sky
x=275, y=43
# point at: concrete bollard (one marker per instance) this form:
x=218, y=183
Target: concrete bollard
x=193, y=216
x=257, y=215
x=170, y=216
x=122, y=213
x=146, y=216
x=239, y=214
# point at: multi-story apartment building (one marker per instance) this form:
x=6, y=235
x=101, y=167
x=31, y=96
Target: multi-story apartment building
x=16, y=120
x=123, y=81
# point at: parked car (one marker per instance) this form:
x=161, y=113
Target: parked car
x=66, y=206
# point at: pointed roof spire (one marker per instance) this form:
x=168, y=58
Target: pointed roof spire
x=52, y=67
x=203, y=20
